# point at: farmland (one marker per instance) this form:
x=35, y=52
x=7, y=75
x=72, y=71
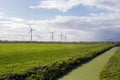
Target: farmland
x=92, y=69
x=112, y=69
x=20, y=58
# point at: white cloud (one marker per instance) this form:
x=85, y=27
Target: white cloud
x=87, y=27
x=92, y=27
x=65, y=5
x=62, y=5
x=1, y=13
x=112, y=5
x=83, y=23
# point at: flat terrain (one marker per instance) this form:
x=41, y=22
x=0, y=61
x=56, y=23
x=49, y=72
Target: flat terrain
x=112, y=69
x=20, y=57
x=90, y=70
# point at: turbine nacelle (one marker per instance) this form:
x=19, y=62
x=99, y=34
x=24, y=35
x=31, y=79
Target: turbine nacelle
x=31, y=32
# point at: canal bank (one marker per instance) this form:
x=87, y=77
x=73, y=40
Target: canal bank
x=90, y=70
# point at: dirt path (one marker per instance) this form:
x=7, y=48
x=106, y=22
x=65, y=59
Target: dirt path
x=91, y=70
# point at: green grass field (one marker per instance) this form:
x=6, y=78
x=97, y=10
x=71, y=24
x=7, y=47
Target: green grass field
x=112, y=69
x=92, y=69
x=20, y=57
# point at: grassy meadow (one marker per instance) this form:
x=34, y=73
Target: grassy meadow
x=112, y=69
x=21, y=57
x=92, y=69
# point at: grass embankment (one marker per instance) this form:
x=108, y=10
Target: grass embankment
x=44, y=61
x=90, y=70
x=112, y=69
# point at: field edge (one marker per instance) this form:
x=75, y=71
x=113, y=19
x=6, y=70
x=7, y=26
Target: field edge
x=53, y=71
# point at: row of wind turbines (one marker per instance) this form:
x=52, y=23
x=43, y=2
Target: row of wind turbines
x=51, y=32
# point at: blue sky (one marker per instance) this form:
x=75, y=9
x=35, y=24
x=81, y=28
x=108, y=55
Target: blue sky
x=91, y=20
x=22, y=9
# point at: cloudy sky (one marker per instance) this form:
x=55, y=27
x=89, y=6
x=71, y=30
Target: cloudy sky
x=79, y=20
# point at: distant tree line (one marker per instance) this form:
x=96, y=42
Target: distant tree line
x=16, y=41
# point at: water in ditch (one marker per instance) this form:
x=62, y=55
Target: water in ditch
x=90, y=70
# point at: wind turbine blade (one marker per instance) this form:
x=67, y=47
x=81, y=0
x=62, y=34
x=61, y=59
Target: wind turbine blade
x=34, y=30
x=29, y=31
x=38, y=36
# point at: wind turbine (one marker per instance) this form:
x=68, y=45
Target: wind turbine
x=31, y=32
x=52, y=35
x=61, y=36
x=38, y=36
x=65, y=38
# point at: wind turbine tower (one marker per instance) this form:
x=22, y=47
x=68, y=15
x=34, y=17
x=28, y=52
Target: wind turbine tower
x=52, y=36
x=65, y=38
x=61, y=37
x=31, y=33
